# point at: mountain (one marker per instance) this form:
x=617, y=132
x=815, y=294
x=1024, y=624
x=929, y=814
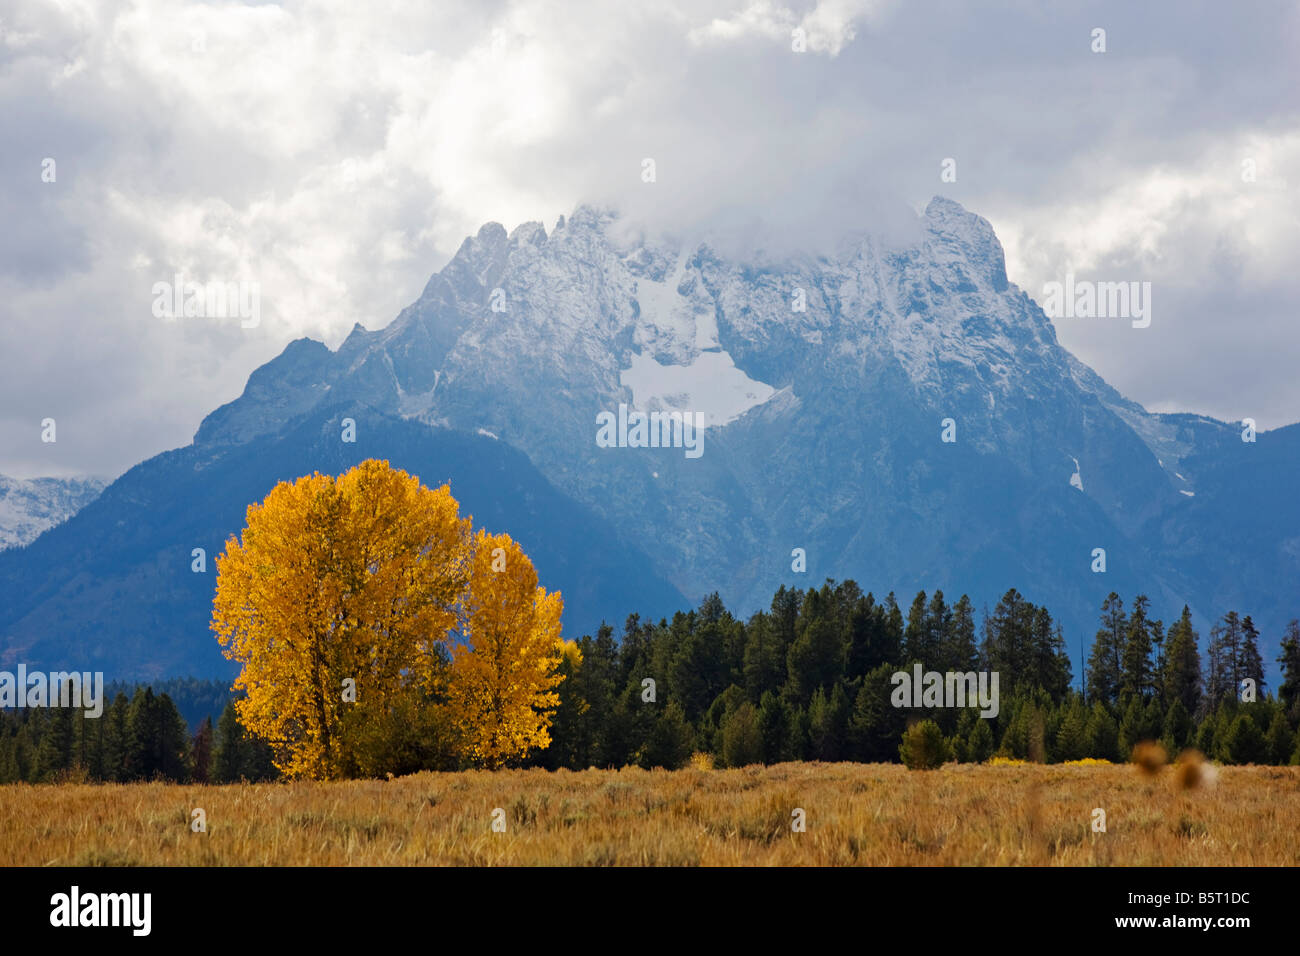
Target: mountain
x=31, y=506
x=114, y=590
x=827, y=383
x=825, y=380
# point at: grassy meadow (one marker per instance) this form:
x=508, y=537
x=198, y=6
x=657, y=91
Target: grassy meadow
x=856, y=814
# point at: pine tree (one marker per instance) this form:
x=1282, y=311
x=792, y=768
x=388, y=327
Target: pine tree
x=927, y=625
x=1050, y=664
x=567, y=715
x=54, y=753
x=227, y=762
x=1105, y=666
x=632, y=719
x=875, y=725
x=708, y=729
x=1183, y=664
x=670, y=742
x=960, y=739
x=892, y=643
x=828, y=722
x=1224, y=718
x=1007, y=641
x=1289, y=692
x=694, y=667
x=718, y=624
x=1244, y=743
x=979, y=745
x=1280, y=740
x=1053, y=719
x=764, y=657
x=1252, y=665
x=1142, y=721
x=26, y=744
x=1137, y=677
x=774, y=727
x=785, y=614
x=156, y=738
x=1178, y=727
x=8, y=762
x=742, y=743
x=594, y=684
x=1025, y=735
x=89, y=743
x=815, y=659
x=1072, y=737
x=173, y=741
x=1103, y=733
x=115, y=739
x=1157, y=631
x=939, y=623
x=799, y=733
x=960, y=652
x=633, y=650
x=874, y=636
x=1205, y=741
x=1224, y=681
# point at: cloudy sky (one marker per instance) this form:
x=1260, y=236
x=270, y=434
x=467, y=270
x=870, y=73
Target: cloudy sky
x=337, y=153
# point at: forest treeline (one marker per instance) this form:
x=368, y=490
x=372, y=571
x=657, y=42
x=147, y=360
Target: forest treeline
x=808, y=679
x=138, y=737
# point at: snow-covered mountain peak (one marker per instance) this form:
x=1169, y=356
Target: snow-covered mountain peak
x=528, y=233
x=600, y=312
x=966, y=244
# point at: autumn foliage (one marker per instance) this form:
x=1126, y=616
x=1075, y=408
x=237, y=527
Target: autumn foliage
x=505, y=670
x=377, y=633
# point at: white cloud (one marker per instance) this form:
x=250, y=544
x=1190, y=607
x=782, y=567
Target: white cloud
x=828, y=28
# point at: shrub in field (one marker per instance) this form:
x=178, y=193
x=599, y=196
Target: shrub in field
x=701, y=761
x=1149, y=756
x=1192, y=770
x=924, y=747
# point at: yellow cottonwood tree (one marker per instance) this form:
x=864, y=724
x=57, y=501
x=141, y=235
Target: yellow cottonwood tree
x=357, y=578
x=506, y=668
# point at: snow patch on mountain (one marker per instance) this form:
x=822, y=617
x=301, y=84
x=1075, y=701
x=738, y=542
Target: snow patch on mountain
x=1076, y=481
x=30, y=507
x=670, y=323
x=711, y=384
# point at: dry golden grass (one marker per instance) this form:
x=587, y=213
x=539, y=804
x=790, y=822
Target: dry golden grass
x=874, y=814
